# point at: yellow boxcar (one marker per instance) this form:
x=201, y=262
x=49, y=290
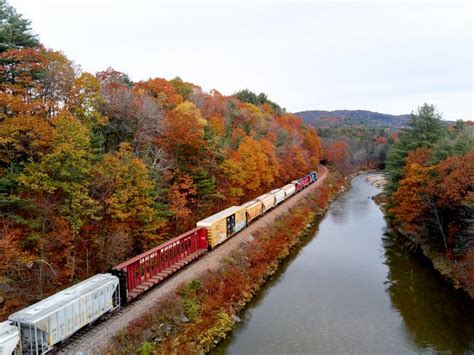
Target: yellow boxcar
x=268, y=201
x=253, y=209
x=224, y=224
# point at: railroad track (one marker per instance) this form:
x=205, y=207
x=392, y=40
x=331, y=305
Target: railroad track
x=73, y=344
x=92, y=339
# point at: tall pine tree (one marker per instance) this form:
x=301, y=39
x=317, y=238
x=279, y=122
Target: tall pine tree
x=15, y=31
x=425, y=129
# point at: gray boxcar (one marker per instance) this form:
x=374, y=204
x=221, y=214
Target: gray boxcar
x=54, y=319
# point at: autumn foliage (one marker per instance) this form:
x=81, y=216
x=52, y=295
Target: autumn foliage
x=96, y=168
x=207, y=304
x=431, y=196
x=434, y=199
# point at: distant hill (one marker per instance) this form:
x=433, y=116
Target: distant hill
x=354, y=118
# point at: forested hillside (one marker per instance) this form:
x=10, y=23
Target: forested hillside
x=348, y=118
x=431, y=195
x=355, y=140
x=95, y=168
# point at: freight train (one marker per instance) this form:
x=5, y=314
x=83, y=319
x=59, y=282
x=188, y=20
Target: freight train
x=40, y=327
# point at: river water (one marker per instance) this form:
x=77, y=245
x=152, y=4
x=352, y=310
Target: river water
x=352, y=287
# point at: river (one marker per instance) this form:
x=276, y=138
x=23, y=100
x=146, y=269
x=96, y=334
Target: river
x=353, y=287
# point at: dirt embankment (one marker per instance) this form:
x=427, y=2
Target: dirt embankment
x=379, y=180
x=97, y=338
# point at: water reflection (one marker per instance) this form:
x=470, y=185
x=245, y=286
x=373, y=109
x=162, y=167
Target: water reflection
x=359, y=206
x=353, y=289
x=277, y=277
x=338, y=212
x=438, y=317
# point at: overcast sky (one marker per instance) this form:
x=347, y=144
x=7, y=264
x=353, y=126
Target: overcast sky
x=385, y=57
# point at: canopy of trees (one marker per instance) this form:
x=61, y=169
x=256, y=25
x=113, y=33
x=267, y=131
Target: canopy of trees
x=431, y=170
x=367, y=136
x=96, y=168
x=260, y=99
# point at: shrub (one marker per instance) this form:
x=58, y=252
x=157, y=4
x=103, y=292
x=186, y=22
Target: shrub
x=191, y=308
x=147, y=348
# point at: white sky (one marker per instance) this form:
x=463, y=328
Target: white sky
x=386, y=57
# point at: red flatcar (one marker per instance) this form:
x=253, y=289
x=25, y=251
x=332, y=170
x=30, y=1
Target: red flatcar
x=149, y=268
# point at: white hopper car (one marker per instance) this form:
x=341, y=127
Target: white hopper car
x=9, y=338
x=268, y=201
x=279, y=195
x=54, y=319
x=289, y=189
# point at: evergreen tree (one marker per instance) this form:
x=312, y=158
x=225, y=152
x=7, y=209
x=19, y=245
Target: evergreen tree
x=425, y=129
x=15, y=31
x=205, y=192
x=250, y=97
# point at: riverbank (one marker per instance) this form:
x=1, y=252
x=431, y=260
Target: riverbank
x=379, y=180
x=459, y=271
x=204, y=310
x=351, y=287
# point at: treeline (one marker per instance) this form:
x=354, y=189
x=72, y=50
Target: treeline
x=97, y=168
x=431, y=171
x=355, y=140
x=354, y=148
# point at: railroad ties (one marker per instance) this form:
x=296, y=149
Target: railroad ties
x=163, y=275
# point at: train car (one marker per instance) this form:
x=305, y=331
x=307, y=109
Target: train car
x=56, y=318
x=268, y=201
x=297, y=184
x=223, y=225
x=253, y=209
x=301, y=183
x=9, y=339
x=289, y=189
x=151, y=267
x=279, y=195
x=305, y=181
x=39, y=327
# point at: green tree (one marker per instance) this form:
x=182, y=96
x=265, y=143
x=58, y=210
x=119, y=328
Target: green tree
x=458, y=142
x=205, y=192
x=425, y=129
x=184, y=89
x=250, y=97
x=15, y=31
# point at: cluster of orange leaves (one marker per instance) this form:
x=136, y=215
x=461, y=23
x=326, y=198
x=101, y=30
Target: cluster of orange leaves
x=438, y=189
